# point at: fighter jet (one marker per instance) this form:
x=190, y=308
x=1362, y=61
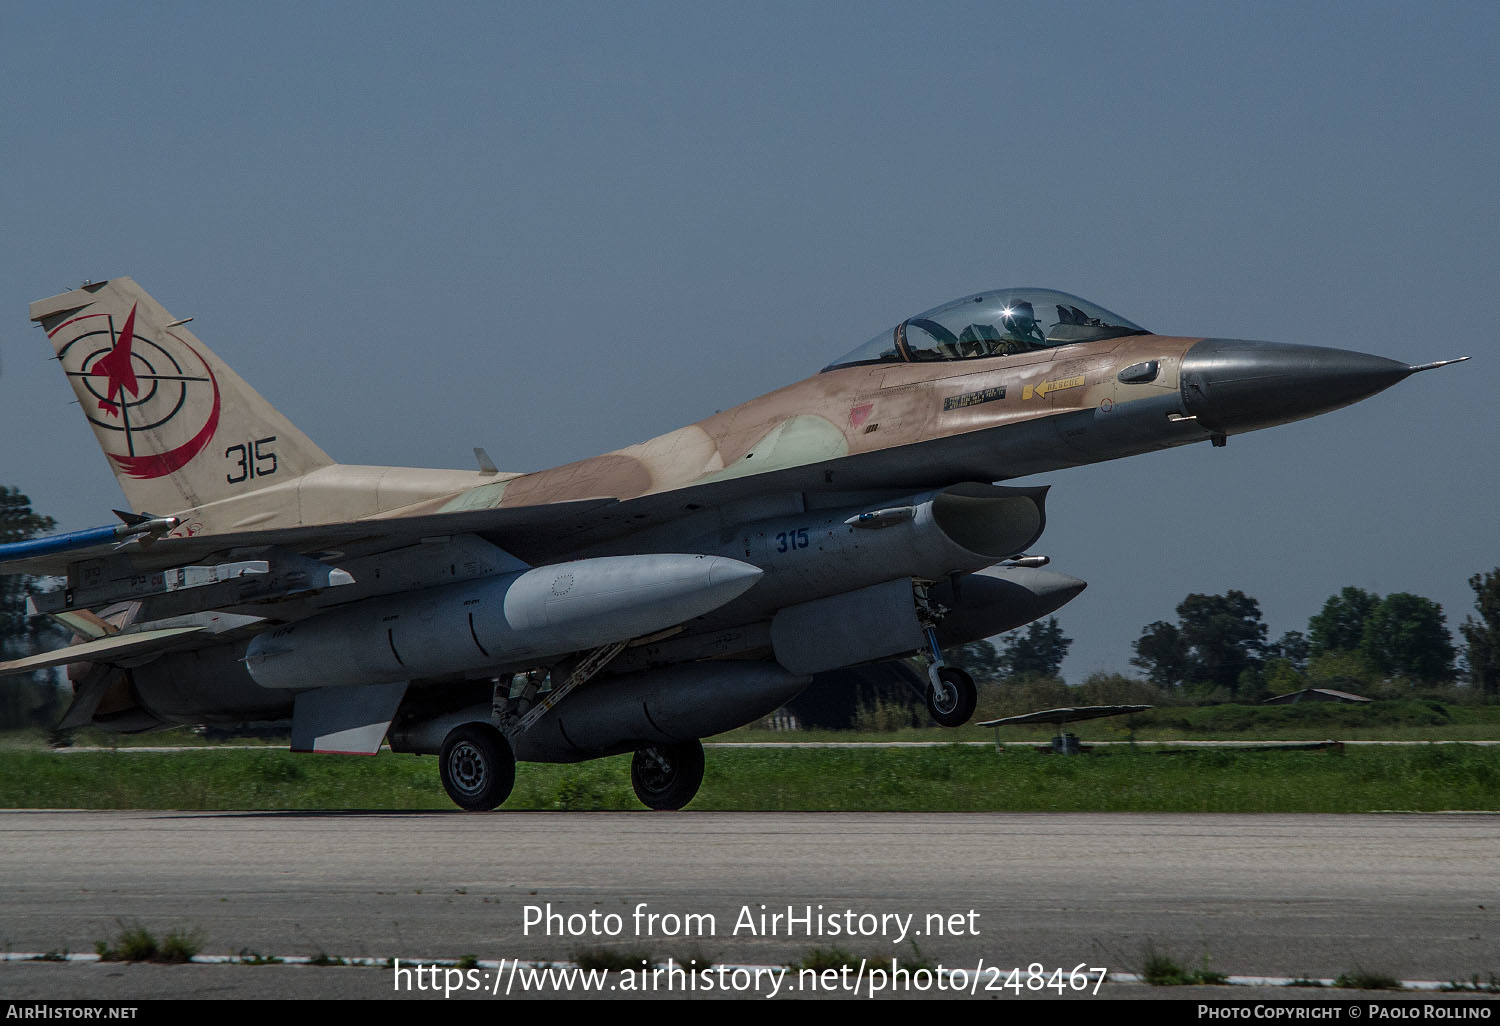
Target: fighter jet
x=637, y=601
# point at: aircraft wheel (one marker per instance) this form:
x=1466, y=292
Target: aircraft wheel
x=669, y=786
x=953, y=704
x=477, y=767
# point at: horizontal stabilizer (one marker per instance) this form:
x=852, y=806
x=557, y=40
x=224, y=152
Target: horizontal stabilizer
x=82, y=622
x=345, y=720
x=106, y=650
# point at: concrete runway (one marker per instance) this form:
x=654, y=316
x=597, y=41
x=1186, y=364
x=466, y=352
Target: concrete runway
x=1412, y=896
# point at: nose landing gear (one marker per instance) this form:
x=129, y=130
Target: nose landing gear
x=951, y=694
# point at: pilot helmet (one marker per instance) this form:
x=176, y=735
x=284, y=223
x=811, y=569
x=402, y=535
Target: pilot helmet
x=1019, y=317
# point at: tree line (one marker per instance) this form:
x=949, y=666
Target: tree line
x=1358, y=640
x=1218, y=647
x=22, y=703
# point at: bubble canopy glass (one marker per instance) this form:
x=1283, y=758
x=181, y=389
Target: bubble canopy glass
x=1002, y=322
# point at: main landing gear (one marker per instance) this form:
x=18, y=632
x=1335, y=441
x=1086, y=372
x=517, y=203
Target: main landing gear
x=667, y=776
x=478, y=767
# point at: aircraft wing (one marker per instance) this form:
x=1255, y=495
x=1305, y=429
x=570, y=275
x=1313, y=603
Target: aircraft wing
x=556, y=520
x=536, y=533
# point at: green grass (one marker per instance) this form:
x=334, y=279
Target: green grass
x=1396, y=720
x=1362, y=979
x=1162, y=970
x=1409, y=719
x=323, y=958
x=949, y=778
x=1473, y=985
x=135, y=943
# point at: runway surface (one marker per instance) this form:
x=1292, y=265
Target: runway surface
x=1412, y=896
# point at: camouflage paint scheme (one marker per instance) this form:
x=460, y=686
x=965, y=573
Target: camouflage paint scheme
x=857, y=425
x=843, y=519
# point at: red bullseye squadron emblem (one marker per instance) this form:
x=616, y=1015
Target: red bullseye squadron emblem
x=136, y=387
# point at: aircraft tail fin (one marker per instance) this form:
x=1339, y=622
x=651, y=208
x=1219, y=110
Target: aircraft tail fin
x=179, y=428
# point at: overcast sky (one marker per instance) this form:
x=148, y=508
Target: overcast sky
x=555, y=229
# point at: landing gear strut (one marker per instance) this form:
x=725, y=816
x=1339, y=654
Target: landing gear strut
x=667, y=776
x=477, y=766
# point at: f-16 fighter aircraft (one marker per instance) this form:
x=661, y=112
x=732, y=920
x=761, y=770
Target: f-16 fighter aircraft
x=633, y=602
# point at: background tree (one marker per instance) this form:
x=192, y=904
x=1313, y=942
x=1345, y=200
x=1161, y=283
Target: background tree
x=1340, y=625
x=1482, y=635
x=1342, y=669
x=1218, y=641
x=1036, y=650
x=1160, y=652
x=1360, y=640
x=1225, y=637
x=22, y=701
x=1405, y=635
x=1292, y=647
x=1281, y=677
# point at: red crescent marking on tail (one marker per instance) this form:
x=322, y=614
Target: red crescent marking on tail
x=173, y=460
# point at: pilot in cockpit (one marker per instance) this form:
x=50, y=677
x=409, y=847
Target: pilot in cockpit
x=1021, y=333
x=1019, y=321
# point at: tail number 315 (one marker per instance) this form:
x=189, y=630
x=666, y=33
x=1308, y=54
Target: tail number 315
x=250, y=459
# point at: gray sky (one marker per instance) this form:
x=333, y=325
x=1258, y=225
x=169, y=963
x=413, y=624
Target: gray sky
x=555, y=229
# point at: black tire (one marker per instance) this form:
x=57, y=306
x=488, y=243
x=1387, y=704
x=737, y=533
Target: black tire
x=955, y=704
x=674, y=786
x=477, y=767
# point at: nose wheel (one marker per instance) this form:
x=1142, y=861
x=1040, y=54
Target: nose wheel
x=667, y=776
x=951, y=696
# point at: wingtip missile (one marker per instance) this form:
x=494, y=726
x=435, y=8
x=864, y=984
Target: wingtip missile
x=137, y=530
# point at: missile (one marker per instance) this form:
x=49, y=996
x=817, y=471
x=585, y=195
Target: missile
x=511, y=620
x=882, y=518
x=137, y=529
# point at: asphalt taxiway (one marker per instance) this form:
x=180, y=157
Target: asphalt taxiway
x=1412, y=896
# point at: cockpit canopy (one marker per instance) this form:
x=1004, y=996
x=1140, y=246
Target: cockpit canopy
x=998, y=323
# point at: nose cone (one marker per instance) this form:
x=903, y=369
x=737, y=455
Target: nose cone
x=730, y=577
x=1232, y=385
